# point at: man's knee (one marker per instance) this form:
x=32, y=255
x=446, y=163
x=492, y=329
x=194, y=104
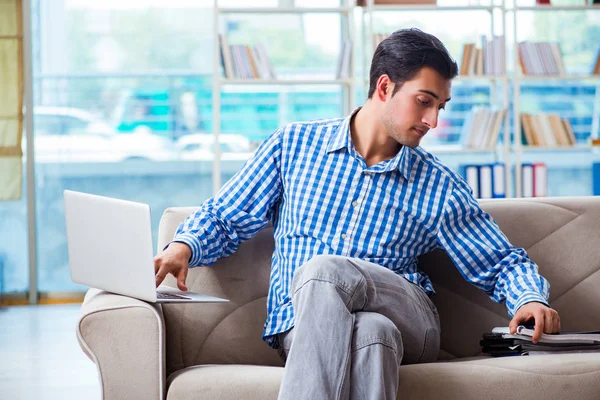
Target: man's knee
x=375, y=329
x=329, y=268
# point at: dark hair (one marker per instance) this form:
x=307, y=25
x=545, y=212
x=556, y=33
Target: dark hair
x=402, y=55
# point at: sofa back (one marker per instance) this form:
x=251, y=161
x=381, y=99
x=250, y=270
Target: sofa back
x=560, y=234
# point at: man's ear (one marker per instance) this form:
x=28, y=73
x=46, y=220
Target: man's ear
x=384, y=86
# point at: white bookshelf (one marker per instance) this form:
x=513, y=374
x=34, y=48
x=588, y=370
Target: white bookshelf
x=285, y=10
x=259, y=81
x=558, y=77
x=549, y=7
x=511, y=153
x=521, y=151
x=219, y=82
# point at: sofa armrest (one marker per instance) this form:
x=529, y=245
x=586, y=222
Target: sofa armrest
x=125, y=338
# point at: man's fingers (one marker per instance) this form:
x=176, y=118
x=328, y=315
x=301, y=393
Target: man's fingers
x=555, y=322
x=549, y=325
x=161, y=275
x=514, y=323
x=539, y=327
x=181, y=276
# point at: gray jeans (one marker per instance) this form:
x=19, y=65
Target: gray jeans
x=356, y=322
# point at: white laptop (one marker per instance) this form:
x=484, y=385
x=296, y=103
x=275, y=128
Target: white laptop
x=110, y=248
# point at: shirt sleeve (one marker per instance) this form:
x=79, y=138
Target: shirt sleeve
x=485, y=257
x=239, y=210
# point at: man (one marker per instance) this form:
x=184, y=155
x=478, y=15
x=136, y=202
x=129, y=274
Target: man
x=353, y=203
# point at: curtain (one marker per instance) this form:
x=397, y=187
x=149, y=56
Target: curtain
x=11, y=99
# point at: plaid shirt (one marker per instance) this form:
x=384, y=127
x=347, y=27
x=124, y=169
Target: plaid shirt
x=309, y=181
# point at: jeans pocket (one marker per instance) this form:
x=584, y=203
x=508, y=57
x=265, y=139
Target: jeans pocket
x=431, y=346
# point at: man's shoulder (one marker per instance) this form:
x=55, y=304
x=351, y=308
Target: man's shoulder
x=438, y=165
x=311, y=126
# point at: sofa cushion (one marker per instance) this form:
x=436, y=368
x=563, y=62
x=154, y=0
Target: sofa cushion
x=560, y=376
x=225, y=382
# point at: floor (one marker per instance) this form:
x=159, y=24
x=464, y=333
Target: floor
x=39, y=355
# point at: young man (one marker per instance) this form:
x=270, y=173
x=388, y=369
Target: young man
x=353, y=203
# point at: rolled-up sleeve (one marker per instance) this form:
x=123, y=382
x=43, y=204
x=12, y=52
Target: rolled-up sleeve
x=485, y=257
x=239, y=210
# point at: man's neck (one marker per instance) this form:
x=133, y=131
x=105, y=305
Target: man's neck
x=370, y=137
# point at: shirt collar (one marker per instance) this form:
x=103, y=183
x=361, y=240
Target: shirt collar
x=341, y=138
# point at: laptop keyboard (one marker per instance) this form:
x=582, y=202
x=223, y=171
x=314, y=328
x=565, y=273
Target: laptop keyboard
x=163, y=295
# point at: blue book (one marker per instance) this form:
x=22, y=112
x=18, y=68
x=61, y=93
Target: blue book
x=596, y=178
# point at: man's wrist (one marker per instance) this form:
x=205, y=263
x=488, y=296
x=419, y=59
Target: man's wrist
x=530, y=297
x=195, y=257
x=183, y=248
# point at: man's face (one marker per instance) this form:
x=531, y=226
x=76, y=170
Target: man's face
x=415, y=107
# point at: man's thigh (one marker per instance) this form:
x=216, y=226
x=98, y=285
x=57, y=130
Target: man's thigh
x=404, y=303
x=407, y=306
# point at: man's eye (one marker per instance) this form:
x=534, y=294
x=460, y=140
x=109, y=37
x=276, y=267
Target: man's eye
x=422, y=102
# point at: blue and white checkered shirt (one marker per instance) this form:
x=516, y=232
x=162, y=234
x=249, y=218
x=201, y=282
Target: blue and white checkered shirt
x=309, y=181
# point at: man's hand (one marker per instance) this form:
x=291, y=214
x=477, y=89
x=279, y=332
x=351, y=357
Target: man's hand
x=174, y=260
x=546, y=319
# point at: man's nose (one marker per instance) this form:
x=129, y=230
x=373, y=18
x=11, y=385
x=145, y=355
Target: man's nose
x=431, y=118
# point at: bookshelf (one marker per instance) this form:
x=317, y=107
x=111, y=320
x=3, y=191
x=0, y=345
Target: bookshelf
x=581, y=153
x=511, y=151
x=345, y=11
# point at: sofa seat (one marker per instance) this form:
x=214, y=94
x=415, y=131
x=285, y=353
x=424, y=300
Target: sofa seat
x=225, y=382
x=560, y=376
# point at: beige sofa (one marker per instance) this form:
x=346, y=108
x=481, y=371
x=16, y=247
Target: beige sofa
x=215, y=351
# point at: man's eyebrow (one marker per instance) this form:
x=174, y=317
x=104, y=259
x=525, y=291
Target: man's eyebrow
x=429, y=92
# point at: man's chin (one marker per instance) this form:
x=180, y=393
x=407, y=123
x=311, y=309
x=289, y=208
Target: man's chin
x=412, y=144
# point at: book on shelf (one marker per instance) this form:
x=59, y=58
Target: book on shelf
x=547, y=130
x=486, y=180
x=541, y=59
x=596, y=68
x=245, y=62
x=534, y=180
x=500, y=342
x=343, y=66
x=488, y=59
x=481, y=128
x=596, y=178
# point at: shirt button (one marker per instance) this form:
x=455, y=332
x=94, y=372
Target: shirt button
x=343, y=236
x=354, y=203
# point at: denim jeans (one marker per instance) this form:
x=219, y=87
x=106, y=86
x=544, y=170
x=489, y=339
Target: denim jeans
x=356, y=323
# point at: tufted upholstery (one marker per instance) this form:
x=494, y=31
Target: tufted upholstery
x=560, y=234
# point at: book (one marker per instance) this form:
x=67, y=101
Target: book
x=596, y=178
x=527, y=180
x=485, y=182
x=498, y=181
x=526, y=333
x=501, y=343
x=540, y=180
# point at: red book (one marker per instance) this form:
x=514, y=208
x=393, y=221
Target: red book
x=546, y=2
